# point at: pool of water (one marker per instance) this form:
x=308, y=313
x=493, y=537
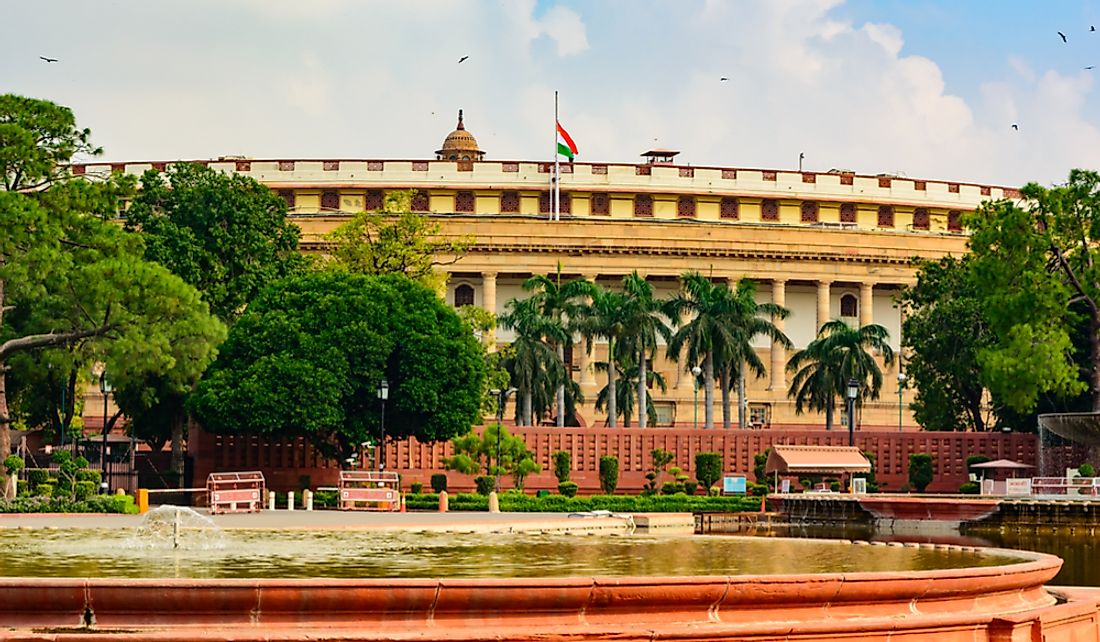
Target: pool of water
x=121, y=553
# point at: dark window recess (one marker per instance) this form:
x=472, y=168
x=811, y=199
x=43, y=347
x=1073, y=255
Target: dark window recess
x=727, y=208
x=288, y=196
x=954, y=221
x=544, y=202
x=601, y=204
x=374, y=200
x=567, y=356
x=847, y=212
x=509, y=203
x=921, y=219
x=685, y=207
x=809, y=212
x=643, y=205
x=420, y=201
x=566, y=205
x=769, y=210
x=330, y=200
x=464, y=295
x=885, y=216
x=849, y=306
x=464, y=202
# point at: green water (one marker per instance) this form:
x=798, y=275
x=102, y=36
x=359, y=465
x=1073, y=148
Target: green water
x=373, y=554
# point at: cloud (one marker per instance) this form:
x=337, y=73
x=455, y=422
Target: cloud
x=565, y=27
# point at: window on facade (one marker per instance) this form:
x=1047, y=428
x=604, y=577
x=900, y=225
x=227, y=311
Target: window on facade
x=954, y=221
x=643, y=205
x=769, y=210
x=847, y=212
x=666, y=413
x=464, y=295
x=464, y=202
x=759, y=414
x=601, y=204
x=374, y=200
x=849, y=306
x=566, y=204
x=509, y=203
x=885, y=216
x=727, y=208
x=567, y=357
x=544, y=202
x=330, y=200
x=288, y=196
x=685, y=208
x=921, y=219
x=420, y=201
x=809, y=212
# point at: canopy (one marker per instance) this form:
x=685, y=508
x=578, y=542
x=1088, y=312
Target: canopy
x=824, y=460
x=1001, y=463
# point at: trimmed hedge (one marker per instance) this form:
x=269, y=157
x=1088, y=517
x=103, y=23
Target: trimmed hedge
x=516, y=503
x=93, y=504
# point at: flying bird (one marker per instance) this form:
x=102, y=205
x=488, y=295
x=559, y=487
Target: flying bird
x=1092, y=27
x=47, y=59
x=723, y=79
x=462, y=59
x=1063, y=36
x=1015, y=127
x=1089, y=67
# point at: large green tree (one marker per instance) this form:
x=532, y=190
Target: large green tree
x=307, y=356
x=535, y=366
x=1036, y=270
x=644, y=322
x=603, y=316
x=38, y=139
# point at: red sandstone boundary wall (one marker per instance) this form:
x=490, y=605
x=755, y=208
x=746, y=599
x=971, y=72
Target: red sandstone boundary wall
x=285, y=462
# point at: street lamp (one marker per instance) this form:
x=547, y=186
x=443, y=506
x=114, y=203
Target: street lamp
x=383, y=394
x=105, y=388
x=695, y=370
x=852, y=393
x=502, y=399
x=901, y=390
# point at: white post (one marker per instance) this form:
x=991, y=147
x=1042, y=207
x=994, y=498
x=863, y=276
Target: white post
x=270, y=500
x=307, y=499
x=555, y=200
x=290, y=500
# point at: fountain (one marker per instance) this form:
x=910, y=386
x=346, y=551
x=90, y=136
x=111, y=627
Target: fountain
x=177, y=526
x=1077, y=427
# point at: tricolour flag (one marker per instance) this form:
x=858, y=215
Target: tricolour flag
x=566, y=146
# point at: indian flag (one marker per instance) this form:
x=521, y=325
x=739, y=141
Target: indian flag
x=566, y=146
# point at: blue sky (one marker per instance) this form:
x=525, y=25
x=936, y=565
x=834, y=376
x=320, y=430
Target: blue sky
x=920, y=88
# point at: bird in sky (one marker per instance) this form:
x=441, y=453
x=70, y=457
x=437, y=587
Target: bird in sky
x=462, y=59
x=1015, y=127
x=1089, y=68
x=1092, y=27
x=1063, y=36
x=723, y=79
x=47, y=59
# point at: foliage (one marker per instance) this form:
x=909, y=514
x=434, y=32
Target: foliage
x=533, y=363
x=609, y=473
x=840, y=352
x=395, y=240
x=416, y=488
x=485, y=484
x=975, y=459
x=920, y=471
x=708, y=468
x=439, y=482
x=759, y=463
x=1086, y=470
x=603, y=317
x=519, y=503
x=563, y=463
x=37, y=141
x=568, y=488
x=690, y=487
x=13, y=464
x=970, y=488
x=307, y=356
x=625, y=387
x=94, y=504
x=474, y=453
x=872, y=479
x=644, y=323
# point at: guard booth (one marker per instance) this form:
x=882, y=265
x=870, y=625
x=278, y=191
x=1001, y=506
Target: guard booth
x=369, y=490
x=235, y=492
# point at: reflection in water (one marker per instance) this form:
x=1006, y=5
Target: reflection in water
x=355, y=554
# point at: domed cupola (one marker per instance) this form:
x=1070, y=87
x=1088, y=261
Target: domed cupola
x=460, y=145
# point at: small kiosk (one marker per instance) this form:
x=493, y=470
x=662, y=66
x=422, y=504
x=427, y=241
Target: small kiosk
x=369, y=490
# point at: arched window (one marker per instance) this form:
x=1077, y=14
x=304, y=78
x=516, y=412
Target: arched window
x=849, y=306
x=464, y=295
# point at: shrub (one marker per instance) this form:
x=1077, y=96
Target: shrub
x=439, y=482
x=324, y=499
x=84, y=489
x=13, y=464
x=542, y=493
x=36, y=476
x=609, y=473
x=1086, y=470
x=714, y=491
x=568, y=488
x=975, y=459
x=44, y=490
x=93, y=476
x=756, y=490
x=671, y=488
x=690, y=487
x=485, y=484
x=416, y=488
x=970, y=488
x=708, y=468
x=920, y=471
x=563, y=463
x=834, y=486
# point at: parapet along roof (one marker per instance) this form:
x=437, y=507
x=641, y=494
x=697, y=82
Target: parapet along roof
x=826, y=460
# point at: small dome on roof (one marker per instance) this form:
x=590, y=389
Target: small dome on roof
x=459, y=145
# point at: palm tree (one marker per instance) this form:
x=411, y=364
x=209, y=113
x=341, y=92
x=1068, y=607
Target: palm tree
x=839, y=353
x=558, y=302
x=623, y=389
x=602, y=317
x=531, y=361
x=748, y=320
x=644, y=322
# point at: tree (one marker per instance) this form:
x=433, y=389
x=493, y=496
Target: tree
x=920, y=471
x=535, y=366
x=306, y=358
x=839, y=353
x=38, y=139
x=708, y=468
x=395, y=240
x=643, y=323
x=604, y=317
x=945, y=329
x=624, y=387
x=1035, y=268
x=476, y=453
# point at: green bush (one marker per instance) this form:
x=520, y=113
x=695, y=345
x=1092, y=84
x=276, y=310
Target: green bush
x=36, y=476
x=970, y=488
x=920, y=471
x=94, y=504
x=485, y=484
x=568, y=488
x=671, y=488
x=13, y=464
x=708, y=468
x=93, y=476
x=834, y=486
x=609, y=474
x=690, y=487
x=756, y=490
x=1086, y=470
x=439, y=482
x=84, y=489
x=44, y=490
x=542, y=493
x=324, y=499
x=416, y=488
x=714, y=491
x=563, y=463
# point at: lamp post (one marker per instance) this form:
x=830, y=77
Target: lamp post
x=105, y=388
x=383, y=394
x=695, y=370
x=502, y=399
x=901, y=390
x=852, y=393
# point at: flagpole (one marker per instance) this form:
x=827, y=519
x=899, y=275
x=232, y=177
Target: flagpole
x=556, y=197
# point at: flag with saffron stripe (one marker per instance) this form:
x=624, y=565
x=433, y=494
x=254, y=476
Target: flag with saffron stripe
x=566, y=146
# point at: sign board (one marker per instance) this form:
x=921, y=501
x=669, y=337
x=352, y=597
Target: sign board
x=987, y=486
x=733, y=485
x=785, y=486
x=1018, y=486
x=859, y=485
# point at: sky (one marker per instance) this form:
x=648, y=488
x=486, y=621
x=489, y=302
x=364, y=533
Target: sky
x=919, y=88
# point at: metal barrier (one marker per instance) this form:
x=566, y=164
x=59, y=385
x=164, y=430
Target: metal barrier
x=235, y=492
x=1062, y=486
x=369, y=490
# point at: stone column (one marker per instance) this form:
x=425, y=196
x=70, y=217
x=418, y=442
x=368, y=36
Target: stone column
x=489, y=303
x=779, y=353
x=587, y=367
x=822, y=304
x=866, y=304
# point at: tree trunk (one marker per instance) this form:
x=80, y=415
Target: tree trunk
x=566, y=374
x=525, y=412
x=177, y=448
x=612, y=411
x=724, y=386
x=5, y=419
x=708, y=391
x=643, y=416
x=742, y=400
x=829, y=417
